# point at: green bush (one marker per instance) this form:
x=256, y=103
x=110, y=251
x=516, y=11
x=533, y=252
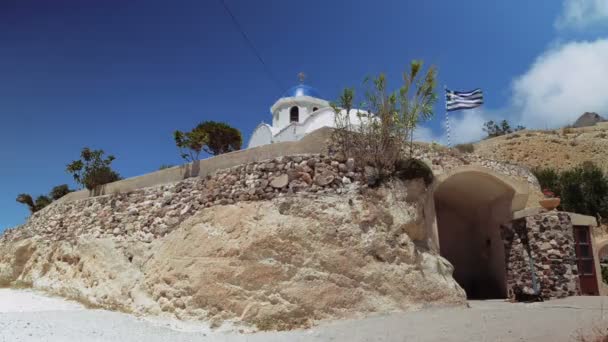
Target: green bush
x=59, y=191
x=548, y=178
x=583, y=190
x=465, y=148
x=42, y=201
x=413, y=168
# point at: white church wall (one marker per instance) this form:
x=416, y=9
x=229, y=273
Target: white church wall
x=291, y=133
x=322, y=118
x=261, y=136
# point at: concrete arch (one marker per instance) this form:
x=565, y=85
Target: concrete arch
x=602, y=248
x=471, y=202
x=474, y=176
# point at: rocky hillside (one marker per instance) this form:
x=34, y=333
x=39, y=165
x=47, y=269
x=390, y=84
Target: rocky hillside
x=276, y=244
x=561, y=149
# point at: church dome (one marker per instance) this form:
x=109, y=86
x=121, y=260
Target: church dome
x=302, y=90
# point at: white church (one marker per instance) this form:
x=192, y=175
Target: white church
x=300, y=111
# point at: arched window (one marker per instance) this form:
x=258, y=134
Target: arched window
x=294, y=114
x=314, y=109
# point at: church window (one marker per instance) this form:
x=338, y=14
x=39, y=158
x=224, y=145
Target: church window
x=294, y=114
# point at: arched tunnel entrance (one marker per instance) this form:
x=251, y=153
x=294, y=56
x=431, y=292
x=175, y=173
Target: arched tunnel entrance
x=470, y=208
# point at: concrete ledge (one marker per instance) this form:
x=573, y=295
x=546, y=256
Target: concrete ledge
x=577, y=219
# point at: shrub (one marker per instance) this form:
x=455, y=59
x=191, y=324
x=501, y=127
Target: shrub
x=165, y=166
x=42, y=201
x=91, y=170
x=59, y=191
x=388, y=121
x=413, y=168
x=583, y=190
x=465, y=148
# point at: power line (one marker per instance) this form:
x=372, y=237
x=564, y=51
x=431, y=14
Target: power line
x=252, y=46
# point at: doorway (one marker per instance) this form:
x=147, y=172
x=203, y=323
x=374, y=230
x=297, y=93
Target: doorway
x=585, y=262
x=470, y=207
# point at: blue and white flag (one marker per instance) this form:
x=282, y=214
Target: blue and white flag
x=456, y=100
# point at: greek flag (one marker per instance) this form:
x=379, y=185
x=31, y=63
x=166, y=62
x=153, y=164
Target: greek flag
x=456, y=100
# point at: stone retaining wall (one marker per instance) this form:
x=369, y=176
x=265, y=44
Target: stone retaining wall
x=145, y=214
x=548, y=239
x=443, y=160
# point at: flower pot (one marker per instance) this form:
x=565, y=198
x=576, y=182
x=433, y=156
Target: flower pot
x=549, y=203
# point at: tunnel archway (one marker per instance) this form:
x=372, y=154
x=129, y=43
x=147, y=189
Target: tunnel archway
x=471, y=203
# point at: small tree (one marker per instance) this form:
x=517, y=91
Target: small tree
x=388, y=121
x=221, y=138
x=416, y=97
x=27, y=200
x=34, y=206
x=211, y=137
x=494, y=129
x=92, y=170
x=190, y=144
x=59, y=191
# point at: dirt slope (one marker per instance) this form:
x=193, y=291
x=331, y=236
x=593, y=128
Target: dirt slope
x=561, y=149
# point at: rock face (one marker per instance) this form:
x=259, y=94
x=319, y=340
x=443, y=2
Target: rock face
x=239, y=247
x=588, y=119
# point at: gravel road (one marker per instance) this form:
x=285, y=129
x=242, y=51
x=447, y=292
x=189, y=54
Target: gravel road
x=30, y=316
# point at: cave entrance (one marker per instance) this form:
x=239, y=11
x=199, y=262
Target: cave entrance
x=470, y=208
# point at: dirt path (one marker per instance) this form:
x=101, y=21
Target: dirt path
x=28, y=316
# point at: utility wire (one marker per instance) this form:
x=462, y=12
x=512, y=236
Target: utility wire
x=252, y=46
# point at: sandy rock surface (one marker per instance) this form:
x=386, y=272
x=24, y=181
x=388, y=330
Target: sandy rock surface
x=276, y=264
x=27, y=316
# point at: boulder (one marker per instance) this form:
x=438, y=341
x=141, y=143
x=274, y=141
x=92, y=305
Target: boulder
x=325, y=178
x=280, y=181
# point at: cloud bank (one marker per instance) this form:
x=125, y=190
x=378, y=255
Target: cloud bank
x=561, y=84
x=580, y=14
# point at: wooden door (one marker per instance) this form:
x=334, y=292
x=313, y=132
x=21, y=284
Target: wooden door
x=584, y=258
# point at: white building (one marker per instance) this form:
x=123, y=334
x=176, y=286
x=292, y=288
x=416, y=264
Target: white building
x=298, y=112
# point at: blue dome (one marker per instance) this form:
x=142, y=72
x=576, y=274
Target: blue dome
x=302, y=90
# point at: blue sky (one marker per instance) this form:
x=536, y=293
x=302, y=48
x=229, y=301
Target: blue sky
x=122, y=75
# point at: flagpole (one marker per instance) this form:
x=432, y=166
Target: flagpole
x=447, y=119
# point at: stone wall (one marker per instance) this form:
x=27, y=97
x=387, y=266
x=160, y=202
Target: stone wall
x=148, y=213
x=548, y=239
x=443, y=160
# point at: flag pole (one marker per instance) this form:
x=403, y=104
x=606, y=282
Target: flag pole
x=447, y=119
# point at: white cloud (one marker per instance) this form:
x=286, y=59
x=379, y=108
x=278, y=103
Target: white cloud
x=582, y=13
x=562, y=83
x=425, y=134
x=466, y=126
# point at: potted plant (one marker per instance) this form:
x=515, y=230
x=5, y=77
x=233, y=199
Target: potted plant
x=550, y=202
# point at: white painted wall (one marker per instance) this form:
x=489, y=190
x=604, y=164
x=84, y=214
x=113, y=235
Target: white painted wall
x=261, y=136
